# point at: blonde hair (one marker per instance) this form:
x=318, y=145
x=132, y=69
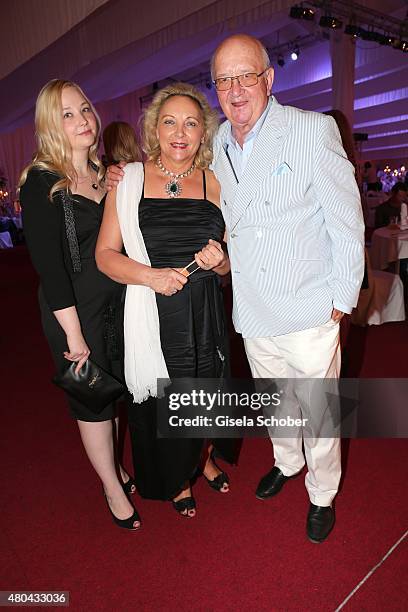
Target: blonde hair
x=120, y=144
x=53, y=148
x=151, y=145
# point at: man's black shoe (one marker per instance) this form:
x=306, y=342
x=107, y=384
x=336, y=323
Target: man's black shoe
x=271, y=483
x=320, y=522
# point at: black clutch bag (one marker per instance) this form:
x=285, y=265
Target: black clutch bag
x=92, y=386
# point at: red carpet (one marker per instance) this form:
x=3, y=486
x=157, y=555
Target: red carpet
x=238, y=554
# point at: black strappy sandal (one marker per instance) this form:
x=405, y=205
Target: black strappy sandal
x=183, y=506
x=218, y=482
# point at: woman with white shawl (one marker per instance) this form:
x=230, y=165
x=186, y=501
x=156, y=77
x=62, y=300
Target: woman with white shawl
x=174, y=326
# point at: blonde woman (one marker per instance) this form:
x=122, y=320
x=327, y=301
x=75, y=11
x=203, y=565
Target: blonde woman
x=120, y=143
x=62, y=200
x=171, y=217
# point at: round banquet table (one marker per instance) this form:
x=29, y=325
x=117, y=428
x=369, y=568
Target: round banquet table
x=387, y=246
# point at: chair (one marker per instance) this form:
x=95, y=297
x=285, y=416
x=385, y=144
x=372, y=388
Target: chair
x=382, y=302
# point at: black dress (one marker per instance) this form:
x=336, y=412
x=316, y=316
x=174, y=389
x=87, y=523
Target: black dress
x=193, y=337
x=97, y=298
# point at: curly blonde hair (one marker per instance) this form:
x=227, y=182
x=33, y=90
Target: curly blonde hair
x=53, y=148
x=151, y=145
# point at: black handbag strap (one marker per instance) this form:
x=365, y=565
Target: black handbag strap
x=217, y=325
x=72, y=238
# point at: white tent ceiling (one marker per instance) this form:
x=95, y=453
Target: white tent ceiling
x=113, y=47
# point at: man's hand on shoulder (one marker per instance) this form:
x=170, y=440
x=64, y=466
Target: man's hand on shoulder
x=337, y=315
x=213, y=188
x=114, y=175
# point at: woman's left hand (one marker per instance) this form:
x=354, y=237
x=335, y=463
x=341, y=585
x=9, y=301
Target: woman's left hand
x=211, y=256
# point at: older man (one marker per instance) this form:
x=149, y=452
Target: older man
x=295, y=240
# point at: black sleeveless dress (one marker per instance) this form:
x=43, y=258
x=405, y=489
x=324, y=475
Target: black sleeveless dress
x=193, y=336
x=99, y=306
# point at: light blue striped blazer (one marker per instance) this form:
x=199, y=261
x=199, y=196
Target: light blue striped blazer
x=295, y=228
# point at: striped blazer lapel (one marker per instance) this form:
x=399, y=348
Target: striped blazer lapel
x=230, y=183
x=263, y=159
x=224, y=172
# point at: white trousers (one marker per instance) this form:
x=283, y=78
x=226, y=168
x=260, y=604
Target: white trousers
x=307, y=354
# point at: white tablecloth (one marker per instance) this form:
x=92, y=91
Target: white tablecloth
x=5, y=240
x=18, y=222
x=387, y=246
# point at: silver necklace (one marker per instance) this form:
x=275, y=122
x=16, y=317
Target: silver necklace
x=173, y=187
x=81, y=179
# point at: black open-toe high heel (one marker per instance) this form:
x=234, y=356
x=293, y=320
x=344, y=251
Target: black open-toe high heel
x=184, y=506
x=127, y=523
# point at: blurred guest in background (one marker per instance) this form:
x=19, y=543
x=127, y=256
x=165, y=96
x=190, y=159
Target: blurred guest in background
x=120, y=143
x=347, y=139
x=17, y=206
x=387, y=213
x=8, y=225
x=391, y=208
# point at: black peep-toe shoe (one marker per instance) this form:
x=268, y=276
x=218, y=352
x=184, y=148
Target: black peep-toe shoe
x=183, y=506
x=126, y=523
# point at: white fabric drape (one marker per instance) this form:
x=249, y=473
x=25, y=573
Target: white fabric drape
x=115, y=49
x=115, y=52
x=31, y=26
x=121, y=48
x=16, y=151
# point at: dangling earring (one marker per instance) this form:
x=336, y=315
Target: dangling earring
x=202, y=140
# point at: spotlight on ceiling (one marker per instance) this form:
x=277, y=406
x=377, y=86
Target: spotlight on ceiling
x=390, y=40
x=352, y=30
x=280, y=61
x=295, y=53
x=300, y=12
x=403, y=45
x=327, y=21
x=371, y=35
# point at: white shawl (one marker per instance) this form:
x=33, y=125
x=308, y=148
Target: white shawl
x=144, y=361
